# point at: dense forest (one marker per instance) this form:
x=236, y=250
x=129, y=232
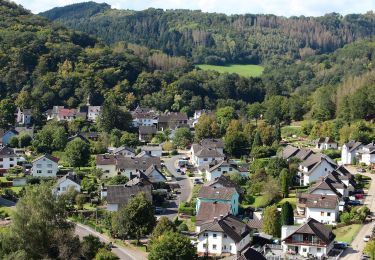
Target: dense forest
x=217, y=38
x=44, y=64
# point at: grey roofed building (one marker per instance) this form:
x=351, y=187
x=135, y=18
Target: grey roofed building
x=141, y=164
x=122, y=148
x=118, y=196
x=301, y=153
x=48, y=156
x=147, y=130
x=141, y=179
x=25, y=130
x=318, y=201
x=313, y=227
x=229, y=225
x=209, y=210
x=150, y=173
x=201, y=151
x=69, y=176
x=219, y=193
x=212, y=143
x=6, y=152
x=225, y=182
x=352, y=145
x=329, y=185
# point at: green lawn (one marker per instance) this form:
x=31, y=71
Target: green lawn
x=292, y=200
x=243, y=70
x=6, y=211
x=347, y=233
x=260, y=202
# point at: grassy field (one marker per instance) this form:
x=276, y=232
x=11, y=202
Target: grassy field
x=292, y=200
x=243, y=70
x=347, y=233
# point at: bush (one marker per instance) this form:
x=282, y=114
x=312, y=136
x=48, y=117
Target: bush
x=333, y=154
x=183, y=227
x=186, y=210
x=173, y=152
x=190, y=174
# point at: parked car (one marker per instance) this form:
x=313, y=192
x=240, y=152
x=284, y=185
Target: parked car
x=361, y=170
x=359, y=196
x=358, y=191
x=159, y=210
x=367, y=238
x=198, y=181
x=354, y=202
x=178, y=170
x=340, y=245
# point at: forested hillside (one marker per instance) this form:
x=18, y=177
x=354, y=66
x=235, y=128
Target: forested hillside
x=217, y=38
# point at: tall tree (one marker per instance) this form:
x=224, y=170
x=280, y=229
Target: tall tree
x=136, y=219
x=284, y=182
x=77, y=153
x=182, y=137
x=257, y=141
x=370, y=249
x=287, y=215
x=171, y=246
x=112, y=116
x=163, y=225
x=272, y=221
x=7, y=110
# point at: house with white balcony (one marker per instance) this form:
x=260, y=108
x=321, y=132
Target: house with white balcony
x=223, y=236
x=314, y=168
x=45, y=166
x=215, y=169
x=144, y=116
x=9, y=159
x=201, y=155
x=312, y=239
x=323, y=208
x=349, y=152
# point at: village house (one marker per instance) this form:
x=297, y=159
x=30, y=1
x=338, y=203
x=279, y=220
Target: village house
x=67, y=182
x=61, y=113
x=23, y=117
x=225, y=195
x=154, y=174
x=152, y=150
x=349, y=152
x=293, y=152
x=330, y=185
x=118, y=196
x=45, y=166
x=93, y=113
x=325, y=143
x=201, y=155
x=223, y=236
x=216, y=169
x=144, y=117
x=23, y=130
x=323, y=208
x=315, y=167
x=5, y=136
x=210, y=210
x=197, y=114
x=367, y=155
x=9, y=159
x=172, y=121
x=224, y=181
x=312, y=239
x=146, y=133
x=124, y=150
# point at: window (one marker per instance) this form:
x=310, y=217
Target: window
x=39, y=171
x=325, y=169
x=1, y=159
x=322, y=213
x=318, y=249
x=38, y=165
x=214, y=235
x=1, y=166
x=304, y=250
x=219, y=169
x=213, y=247
x=11, y=165
x=204, y=245
x=225, y=235
x=225, y=247
x=49, y=171
x=11, y=159
x=328, y=214
x=205, y=159
x=205, y=234
x=49, y=165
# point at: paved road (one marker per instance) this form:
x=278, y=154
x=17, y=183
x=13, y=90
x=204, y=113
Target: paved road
x=183, y=181
x=355, y=251
x=124, y=253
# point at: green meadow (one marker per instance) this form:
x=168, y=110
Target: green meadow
x=243, y=70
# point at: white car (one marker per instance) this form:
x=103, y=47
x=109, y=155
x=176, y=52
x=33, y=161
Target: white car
x=367, y=238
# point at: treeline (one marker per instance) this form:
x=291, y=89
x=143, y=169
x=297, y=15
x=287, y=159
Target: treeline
x=217, y=38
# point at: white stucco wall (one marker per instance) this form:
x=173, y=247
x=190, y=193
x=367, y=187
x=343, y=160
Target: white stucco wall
x=44, y=167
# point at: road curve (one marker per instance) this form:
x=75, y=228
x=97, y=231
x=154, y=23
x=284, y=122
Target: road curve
x=123, y=253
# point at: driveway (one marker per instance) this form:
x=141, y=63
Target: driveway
x=183, y=181
x=355, y=251
x=124, y=253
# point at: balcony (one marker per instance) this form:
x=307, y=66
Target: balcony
x=290, y=241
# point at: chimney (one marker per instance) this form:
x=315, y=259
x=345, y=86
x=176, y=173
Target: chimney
x=221, y=216
x=215, y=218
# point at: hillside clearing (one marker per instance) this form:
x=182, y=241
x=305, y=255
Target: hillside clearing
x=242, y=70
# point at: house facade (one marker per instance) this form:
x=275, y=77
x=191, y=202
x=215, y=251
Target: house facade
x=225, y=195
x=93, y=113
x=45, y=166
x=312, y=239
x=146, y=133
x=118, y=196
x=201, y=155
x=217, y=168
x=314, y=168
x=367, y=154
x=24, y=117
x=9, y=159
x=67, y=182
x=325, y=143
x=223, y=236
x=125, y=151
x=349, y=151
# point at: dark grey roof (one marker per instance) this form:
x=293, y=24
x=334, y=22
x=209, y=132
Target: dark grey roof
x=209, y=210
x=121, y=194
x=352, y=145
x=170, y=117
x=250, y=254
x=219, y=193
x=49, y=157
x=147, y=130
x=69, y=176
x=326, y=184
x=201, y=151
x=212, y=143
x=225, y=182
x=318, y=200
x=313, y=227
x=141, y=164
x=148, y=172
x=6, y=152
x=289, y=151
x=122, y=148
x=229, y=225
